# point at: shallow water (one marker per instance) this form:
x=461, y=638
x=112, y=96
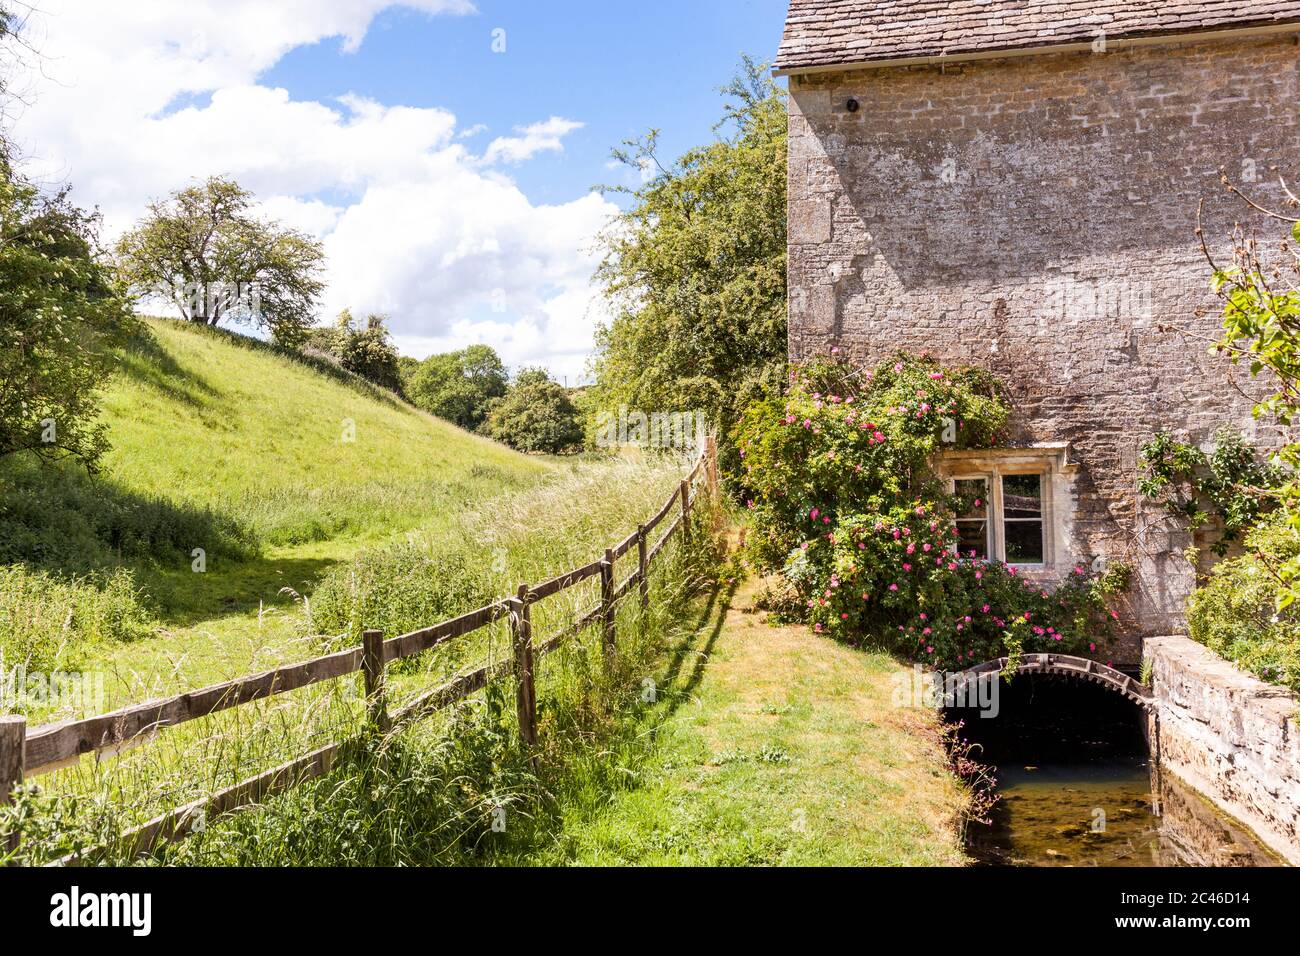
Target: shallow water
x=1105, y=814
x=1076, y=787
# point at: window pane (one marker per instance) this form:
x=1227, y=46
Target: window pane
x=1024, y=542
x=973, y=539
x=1022, y=496
x=972, y=496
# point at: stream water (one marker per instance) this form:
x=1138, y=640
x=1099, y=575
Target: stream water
x=1076, y=786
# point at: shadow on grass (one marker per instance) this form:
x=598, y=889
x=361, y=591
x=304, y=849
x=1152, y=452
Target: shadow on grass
x=317, y=362
x=188, y=597
x=57, y=518
x=716, y=606
x=147, y=363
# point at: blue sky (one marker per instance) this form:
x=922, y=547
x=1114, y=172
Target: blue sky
x=450, y=184
x=619, y=67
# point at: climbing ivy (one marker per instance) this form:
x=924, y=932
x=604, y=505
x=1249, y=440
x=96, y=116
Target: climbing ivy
x=1229, y=485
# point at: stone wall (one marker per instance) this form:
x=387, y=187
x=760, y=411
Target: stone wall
x=1037, y=216
x=1232, y=737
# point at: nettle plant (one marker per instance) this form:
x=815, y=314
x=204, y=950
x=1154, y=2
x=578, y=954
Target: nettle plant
x=839, y=479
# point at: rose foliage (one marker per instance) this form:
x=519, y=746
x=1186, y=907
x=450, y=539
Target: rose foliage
x=838, y=476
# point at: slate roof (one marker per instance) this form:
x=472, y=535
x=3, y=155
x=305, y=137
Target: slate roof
x=830, y=33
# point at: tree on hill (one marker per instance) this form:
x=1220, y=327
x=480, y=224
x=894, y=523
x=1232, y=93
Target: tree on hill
x=694, y=270
x=459, y=386
x=536, y=414
x=61, y=315
x=202, y=250
x=363, y=349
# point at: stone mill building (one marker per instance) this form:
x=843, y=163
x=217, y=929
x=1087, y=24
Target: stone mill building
x=1016, y=185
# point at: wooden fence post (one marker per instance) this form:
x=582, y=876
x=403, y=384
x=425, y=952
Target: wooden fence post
x=13, y=741
x=607, y=602
x=686, y=509
x=521, y=632
x=372, y=669
x=711, y=463
x=643, y=568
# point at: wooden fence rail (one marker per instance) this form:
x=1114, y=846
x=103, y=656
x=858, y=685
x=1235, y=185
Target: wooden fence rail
x=24, y=753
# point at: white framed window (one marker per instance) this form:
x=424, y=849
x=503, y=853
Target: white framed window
x=1003, y=514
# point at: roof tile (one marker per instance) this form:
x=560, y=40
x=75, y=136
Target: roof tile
x=828, y=33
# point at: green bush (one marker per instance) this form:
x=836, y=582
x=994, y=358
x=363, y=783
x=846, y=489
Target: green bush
x=60, y=518
x=458, y=386
x=399, y=589
x=46, y=622
x=362, y=349
x=536, y=415
x=1235, y=612
x=838, y=479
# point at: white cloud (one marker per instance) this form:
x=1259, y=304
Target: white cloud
x=145, y=96
x=541, y=137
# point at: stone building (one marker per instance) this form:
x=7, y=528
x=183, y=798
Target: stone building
x=1016, y=185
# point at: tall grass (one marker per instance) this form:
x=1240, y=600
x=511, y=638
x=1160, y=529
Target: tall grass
x=431, y=793
x=46, y=624
x=269, y=466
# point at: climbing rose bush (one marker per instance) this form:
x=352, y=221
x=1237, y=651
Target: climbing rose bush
x=838, y=478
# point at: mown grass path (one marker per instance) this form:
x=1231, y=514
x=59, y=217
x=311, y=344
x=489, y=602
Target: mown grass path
x=772, y=745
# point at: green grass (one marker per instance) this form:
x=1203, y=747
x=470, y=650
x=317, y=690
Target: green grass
x=766, y=746
x=278, y=468
x=426, y=797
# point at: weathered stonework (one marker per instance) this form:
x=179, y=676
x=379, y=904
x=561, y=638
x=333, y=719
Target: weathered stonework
x=1037, y=216
x=1232, y=737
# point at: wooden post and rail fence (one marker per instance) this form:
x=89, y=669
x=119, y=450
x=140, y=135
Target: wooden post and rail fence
x=27, y=753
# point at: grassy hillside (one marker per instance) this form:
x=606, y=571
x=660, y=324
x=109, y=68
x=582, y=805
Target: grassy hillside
x=211, y=420
x=275, y=467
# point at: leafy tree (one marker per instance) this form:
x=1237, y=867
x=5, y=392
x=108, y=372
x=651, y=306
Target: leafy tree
x=1261, y=323
x=202, y=250
x=459, y=386
x=535, y=415
x=61, y=314
x=694, y=271
x=365, y=350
